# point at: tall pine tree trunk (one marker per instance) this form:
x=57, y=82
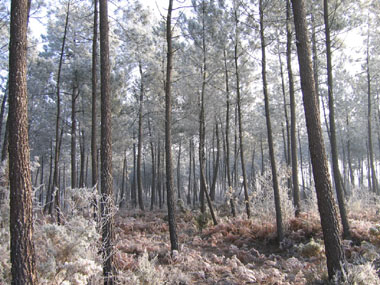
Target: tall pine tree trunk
x=21, y=213
x=330, y=227
x=139, y=143
x=293, y=114
x=239, y=117
x=374, y=184
x=57, y=123
x=339, y=186
x=227, y=134
x=106, y=200
x=168, y=134
x=94, y=84
x=276, y=189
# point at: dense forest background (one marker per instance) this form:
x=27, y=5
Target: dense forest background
x=240, y=145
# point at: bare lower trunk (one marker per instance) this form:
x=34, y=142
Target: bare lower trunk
x=334, y=250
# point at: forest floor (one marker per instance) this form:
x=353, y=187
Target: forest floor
x=238, y=251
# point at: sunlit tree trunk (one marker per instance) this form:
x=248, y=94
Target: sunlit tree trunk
x=22, y=253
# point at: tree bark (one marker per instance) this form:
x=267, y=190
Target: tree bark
x=153, y=186
x=82, y=148
x=134, y=192
x=106, y=200
x=74, y=97
x=122, y=190
x=374, y=183
x=159, y=175
x=228, y=171
x=216, y=166
x=293, y=114
x=57, y=123
x=339, y=186
x=276, y=189
x=326, y=205
x=139, y=143
x=21, y=213
x=239, y=114
x=179, y=170
x=94, y=83
x=168, y=134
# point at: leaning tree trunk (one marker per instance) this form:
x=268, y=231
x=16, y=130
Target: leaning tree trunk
x=168, y=134
x=106, y=200
x=21, y=213
x=326, y=205
x=339, y=186
x=276, y=189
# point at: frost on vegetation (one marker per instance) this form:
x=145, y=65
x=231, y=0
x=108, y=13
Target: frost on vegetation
x=363, y=204
x=5, y=263
x=363, y=274
x=262, y=199
x=67, y=252
x=147, y=272
x=311, y=249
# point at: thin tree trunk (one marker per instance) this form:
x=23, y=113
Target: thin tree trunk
x=227, y=134
x=374, y=183
x=58, y=118
x=82, y=146
x=168, y=134
x=159, y=175
x=179, y=170
x=134, y=192
x=276, y=189
x=42, y=186
x=188, y=198
x=153, y=189
x=238, y=99
x=339, y=187
x=122, y=190
x=349, y=161
x=74, y=97
x=293, y=114
x=139, y=143
x=216, y=166
x=94, y=83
